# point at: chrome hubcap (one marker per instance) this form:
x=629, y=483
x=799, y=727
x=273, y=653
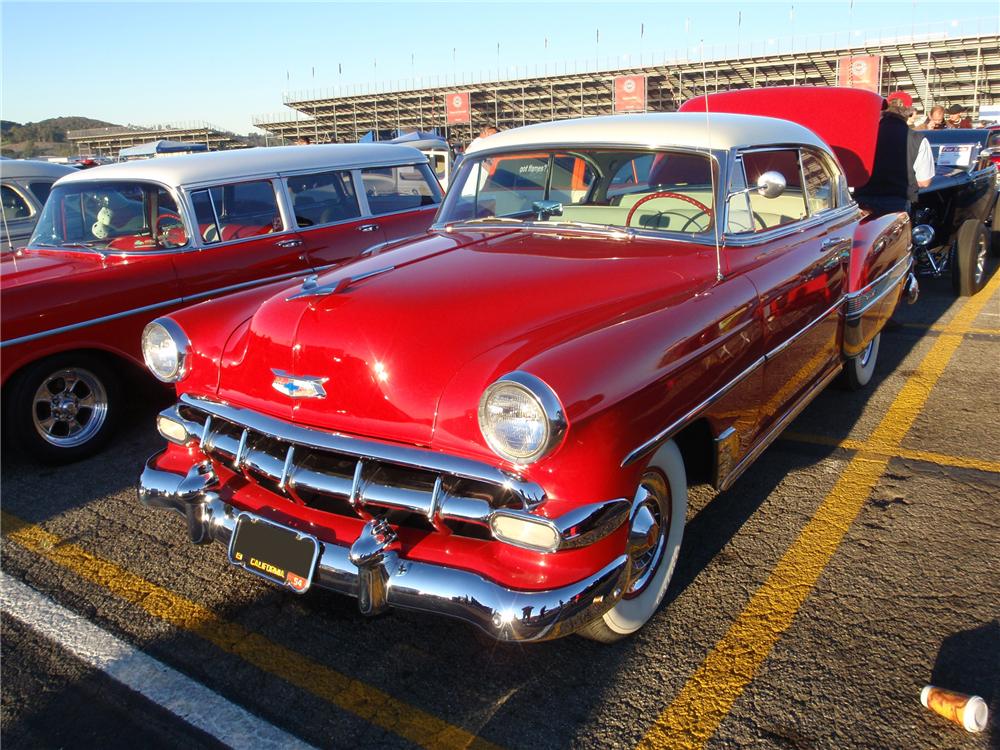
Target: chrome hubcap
x=648, y=531
x=69, y=407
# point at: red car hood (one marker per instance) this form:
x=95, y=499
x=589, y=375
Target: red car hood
x=388, y=345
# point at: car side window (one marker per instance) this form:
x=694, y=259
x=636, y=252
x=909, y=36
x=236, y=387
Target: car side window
x=14, y=206
x=40, y=190
x=323, y=198
x=237, y=211
x=391, y=189
x=788, y=207
x=170, y=232
x=739, y=219
x=819, y=183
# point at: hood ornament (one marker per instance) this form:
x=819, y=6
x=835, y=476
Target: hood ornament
x=311, y=287
x=298, y=386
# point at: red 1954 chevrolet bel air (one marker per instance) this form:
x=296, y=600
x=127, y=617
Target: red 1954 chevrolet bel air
x=498, y=421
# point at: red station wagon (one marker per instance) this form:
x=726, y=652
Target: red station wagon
x=117, y=245
x=498, y=421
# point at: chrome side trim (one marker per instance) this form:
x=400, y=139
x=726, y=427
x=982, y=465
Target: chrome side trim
x=375, y=572
x=860, y=301
x=803, y=331
x=776, y=430
x=175, y=302
x=675, y=426
x=678, y=424
x=747, y=239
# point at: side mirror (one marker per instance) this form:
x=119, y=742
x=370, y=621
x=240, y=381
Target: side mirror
x=545, y=209
x=771, y=184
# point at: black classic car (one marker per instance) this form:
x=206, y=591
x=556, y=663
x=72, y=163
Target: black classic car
x=956, y=214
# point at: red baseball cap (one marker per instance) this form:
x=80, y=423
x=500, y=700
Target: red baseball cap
x=902, y=97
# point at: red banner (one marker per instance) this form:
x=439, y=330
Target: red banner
x=457, y=106
x=630, y=94
x=863, y=72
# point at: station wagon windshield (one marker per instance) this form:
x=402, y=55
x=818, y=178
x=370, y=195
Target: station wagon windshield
x=668, y=191
x=116, y=216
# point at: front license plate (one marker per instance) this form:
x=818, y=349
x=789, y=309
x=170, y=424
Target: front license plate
x=274, y=552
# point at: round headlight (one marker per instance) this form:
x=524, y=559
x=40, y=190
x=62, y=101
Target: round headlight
x=164, y=349
x=521, y=417
x=923, y=234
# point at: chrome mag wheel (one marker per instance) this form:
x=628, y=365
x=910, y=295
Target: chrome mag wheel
x=69, y=407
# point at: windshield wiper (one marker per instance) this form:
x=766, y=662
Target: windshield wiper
x=77, y=246
x=630, y=231
x=492, y=220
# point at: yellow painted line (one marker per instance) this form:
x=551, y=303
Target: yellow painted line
x=352, y=695
x=941, y=327
x=940, y=459
x=709, y=694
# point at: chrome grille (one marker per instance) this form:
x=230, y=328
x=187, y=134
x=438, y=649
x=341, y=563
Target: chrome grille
x=347, y=476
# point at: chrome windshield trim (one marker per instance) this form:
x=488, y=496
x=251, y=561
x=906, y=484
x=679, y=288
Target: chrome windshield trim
x=529, y=492
x=176, y=301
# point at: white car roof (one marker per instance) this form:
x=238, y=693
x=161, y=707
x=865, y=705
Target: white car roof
x=15, y=169
x=656, y=130
x=218, y=166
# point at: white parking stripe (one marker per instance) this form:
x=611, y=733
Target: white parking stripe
x=188, y=700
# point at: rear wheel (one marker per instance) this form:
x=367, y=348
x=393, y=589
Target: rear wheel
x=63, y=408
x=656, y=528
x=858, y=370
x=971, y=247
x=996, y=229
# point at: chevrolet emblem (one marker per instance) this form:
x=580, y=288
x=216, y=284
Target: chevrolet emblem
x=298, y=386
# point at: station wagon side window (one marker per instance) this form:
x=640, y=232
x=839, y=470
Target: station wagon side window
x=392, y=189
x=787, y=208
x=236, y=211
x=323, y=198
x=14, y=206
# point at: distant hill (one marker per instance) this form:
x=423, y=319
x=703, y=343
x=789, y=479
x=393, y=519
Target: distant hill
x=43, y=138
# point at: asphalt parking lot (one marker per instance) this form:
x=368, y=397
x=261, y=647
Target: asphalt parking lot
x=856, y=561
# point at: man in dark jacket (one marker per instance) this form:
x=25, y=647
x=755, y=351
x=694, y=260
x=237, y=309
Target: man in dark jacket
x=903, y=161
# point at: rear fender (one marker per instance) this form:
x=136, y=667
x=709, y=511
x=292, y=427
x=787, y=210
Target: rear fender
x=879, y=266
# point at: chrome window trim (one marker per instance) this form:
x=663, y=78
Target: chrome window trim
x=433, y=185
x=750, y=239
x=19, y=190
x=176, y=301
x=276, y=186
x=679, y=423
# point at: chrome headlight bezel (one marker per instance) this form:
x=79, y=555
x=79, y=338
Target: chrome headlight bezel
x=553, y=416
x=180, y=340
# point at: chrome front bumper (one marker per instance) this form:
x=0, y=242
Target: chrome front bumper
x=373, y=571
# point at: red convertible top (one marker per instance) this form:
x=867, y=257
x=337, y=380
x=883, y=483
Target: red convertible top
x=846, y=119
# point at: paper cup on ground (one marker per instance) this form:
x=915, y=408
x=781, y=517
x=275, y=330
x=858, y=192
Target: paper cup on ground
x=968, y=711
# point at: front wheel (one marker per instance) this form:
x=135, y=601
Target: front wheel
x=971, y=247
x=656, y=527
x=858, y=370
x=63, y=408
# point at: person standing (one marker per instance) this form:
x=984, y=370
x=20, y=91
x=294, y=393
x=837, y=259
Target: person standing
x=903, y=160
x=936, y=119
x=957, y=117
x=486, y=132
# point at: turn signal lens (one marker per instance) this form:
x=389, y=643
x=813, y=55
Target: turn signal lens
x=525, y=532
x=171, y=429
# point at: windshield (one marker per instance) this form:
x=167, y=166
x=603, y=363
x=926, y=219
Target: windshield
x=670, y=191
x=116, y=216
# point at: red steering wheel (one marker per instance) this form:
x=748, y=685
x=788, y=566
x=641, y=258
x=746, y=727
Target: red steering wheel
x=669, y=194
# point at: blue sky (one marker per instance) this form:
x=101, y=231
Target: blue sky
x=149, y=63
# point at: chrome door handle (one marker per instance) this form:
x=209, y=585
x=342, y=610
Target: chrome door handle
x=288, y=243
x=368, y=227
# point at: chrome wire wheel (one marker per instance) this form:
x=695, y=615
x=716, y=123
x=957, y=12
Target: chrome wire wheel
x=650, y=525
x=69, y=407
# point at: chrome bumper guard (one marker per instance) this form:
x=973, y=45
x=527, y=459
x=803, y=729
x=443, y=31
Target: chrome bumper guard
x=373, y=571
